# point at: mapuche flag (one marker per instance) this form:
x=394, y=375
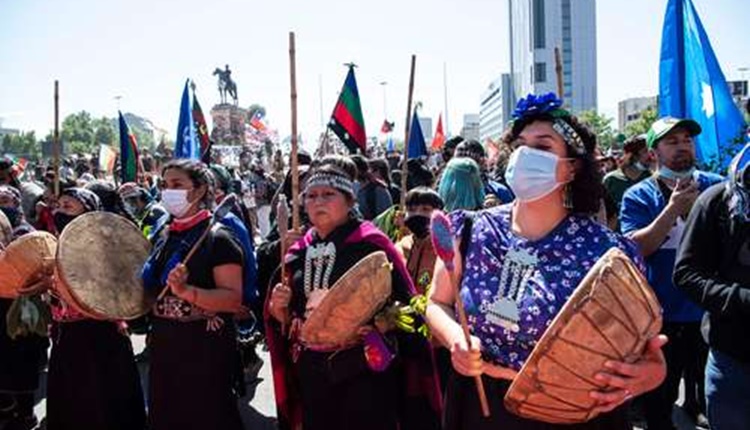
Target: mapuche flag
x=347, y=122
x=692, y=85
x=128, y=153
x=201, y=130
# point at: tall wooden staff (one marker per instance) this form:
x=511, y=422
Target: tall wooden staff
x=559, y=73
x=56, y=142
x=294, y=168
x=404, y=162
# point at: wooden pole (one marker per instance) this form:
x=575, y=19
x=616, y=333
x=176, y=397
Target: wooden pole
x=56, y=141
x=404, y=162
x=559, y=73
x=294, y=168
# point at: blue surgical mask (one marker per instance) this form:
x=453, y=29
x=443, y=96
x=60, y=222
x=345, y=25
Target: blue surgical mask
x=532, y=173
x=667, y=173
x=640, y=166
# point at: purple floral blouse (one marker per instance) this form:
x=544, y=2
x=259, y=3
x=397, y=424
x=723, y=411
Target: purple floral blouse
x=513, y=287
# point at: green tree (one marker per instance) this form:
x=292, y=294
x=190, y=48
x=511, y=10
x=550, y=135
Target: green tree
x=643, y=123
x=601, y=125
x=22, y=145
x=78, y=132
x=104, y=133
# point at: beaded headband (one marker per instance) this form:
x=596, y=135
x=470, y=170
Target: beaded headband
x=551, y=105
x=330, y=179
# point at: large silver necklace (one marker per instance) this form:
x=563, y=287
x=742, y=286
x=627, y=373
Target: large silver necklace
x=517, y=267
x=319, y=261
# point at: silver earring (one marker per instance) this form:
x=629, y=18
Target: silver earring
x=567, y=197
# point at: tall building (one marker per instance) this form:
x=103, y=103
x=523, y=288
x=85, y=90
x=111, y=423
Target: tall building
x=630, y=110
x=495, y=108
x=470, y=129
x=426, y=123
x=537, y=27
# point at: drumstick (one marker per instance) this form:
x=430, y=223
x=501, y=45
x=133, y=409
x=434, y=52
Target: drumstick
x=220, y=212
x=282, y=221
x=442, y=242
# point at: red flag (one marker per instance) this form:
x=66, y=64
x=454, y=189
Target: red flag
x=439, y=139
x=387, y=127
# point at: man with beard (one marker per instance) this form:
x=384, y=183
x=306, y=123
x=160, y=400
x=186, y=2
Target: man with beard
x=653, y=214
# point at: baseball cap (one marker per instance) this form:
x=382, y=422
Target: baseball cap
x=663, y=126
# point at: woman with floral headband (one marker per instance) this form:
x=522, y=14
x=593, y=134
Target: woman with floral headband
x=332, y=386
x=547, y=235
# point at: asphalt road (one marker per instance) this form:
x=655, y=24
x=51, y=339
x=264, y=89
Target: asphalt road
x=258, y=409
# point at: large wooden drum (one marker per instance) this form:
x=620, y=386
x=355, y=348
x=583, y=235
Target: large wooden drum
x=99, y=260
x=610, y=316
x=25, y=259
x=352, y=301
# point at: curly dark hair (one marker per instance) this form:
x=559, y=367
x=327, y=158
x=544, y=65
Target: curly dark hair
x=199, y=175
x=586, y=188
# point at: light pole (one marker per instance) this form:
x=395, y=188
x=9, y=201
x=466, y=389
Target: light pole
x=384, y=84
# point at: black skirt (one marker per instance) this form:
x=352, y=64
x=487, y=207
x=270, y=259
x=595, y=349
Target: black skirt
x=20, y=358
x=93, y=381
x=463, y=412
x=192, y=375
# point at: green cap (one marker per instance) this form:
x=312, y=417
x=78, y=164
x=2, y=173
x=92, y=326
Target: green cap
x=663, y=126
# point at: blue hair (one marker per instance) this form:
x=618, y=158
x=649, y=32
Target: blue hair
x=461, y=185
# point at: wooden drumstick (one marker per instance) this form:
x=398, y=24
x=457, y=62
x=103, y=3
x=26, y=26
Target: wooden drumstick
x=220, y=212
x=442, y=242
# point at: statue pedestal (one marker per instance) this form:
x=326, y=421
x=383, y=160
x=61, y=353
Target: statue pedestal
x=228, y=124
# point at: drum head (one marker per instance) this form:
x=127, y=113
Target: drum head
x=611, y=315
x=99, y=260
x=6, y=230
x=24, y=259
x=352, y=301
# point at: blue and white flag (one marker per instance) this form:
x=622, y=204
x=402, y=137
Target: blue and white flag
x=186, y=144
x=691, y=85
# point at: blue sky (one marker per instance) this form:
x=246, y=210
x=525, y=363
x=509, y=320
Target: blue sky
x=143, y=51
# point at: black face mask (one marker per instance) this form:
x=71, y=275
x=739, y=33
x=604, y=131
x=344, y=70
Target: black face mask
x=61, y=220
x=13, y=215
x=419, y=225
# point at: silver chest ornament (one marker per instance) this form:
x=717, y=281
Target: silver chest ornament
x=319, y=261
x=518, y=266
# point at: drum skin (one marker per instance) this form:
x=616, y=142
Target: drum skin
x=610, y=316
x=99, y=260
x=6, y=230
x=352, y=301
x=24, y=259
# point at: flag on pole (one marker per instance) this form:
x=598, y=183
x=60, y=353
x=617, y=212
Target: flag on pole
x=347, y=121
x=387, y=127
x=692, y=85
x=416, y=145
x=128, y=153
x=107, y=157
x=201, y=130
x=439, y=139
x=257, y=121
x=186, y=144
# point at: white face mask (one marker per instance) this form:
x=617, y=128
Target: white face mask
x=175, y=202
x=532, y=173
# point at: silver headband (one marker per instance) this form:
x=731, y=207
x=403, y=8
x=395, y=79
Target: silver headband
x=330, y=179
x=569, y=134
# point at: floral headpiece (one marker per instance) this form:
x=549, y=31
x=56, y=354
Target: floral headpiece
x=549, y=104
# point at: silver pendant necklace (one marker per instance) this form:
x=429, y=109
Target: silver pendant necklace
x=518, y=266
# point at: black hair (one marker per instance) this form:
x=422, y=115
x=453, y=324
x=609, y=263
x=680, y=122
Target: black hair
x=418, y=174
x=198, y=173
x=362, y=168
x=470, y=148
x=449, y=147
x=380, y=165
x=586, y=188
x=107, y=194
x=424, y=196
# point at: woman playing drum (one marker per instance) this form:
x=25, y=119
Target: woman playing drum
x=92, y=381
x=340, y=386
x=521, y=263
x=192, y=343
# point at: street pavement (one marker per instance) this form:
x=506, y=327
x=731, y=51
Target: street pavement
x=258, y=409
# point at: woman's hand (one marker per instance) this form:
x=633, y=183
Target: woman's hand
x=624, y=381
x=467, y=361
x=279, y=304
x=177, y=283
